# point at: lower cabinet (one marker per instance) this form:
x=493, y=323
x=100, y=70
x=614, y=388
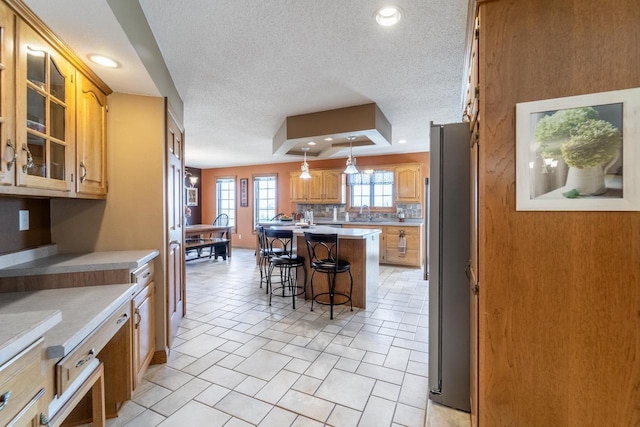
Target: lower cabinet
x=22, y=388
x=405, y=253
x=143, y=333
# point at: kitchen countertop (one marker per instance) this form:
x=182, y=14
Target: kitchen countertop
x=413, y=222
x=73, y=263
x=19, y=330
x=82, y=310
x=343, y=233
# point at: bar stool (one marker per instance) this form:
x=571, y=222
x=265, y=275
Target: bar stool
x=323, y=258
x=266, y=253
x=287, y=264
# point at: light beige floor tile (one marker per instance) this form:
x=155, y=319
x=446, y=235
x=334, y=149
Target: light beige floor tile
x=146, y=419
x=409, y=416
x=302, y=421
x=414, y=391
x=372, y=342
x=380, y=373
x=263, y=364
x=200, y=345
x=307, y=385
x=180, y=397
x=321, y=367
x=278, y=417
x=252, y=346
x=128, y=412
x=441, y=416
x=397, y=358
x=231, y=361
x=237, y=422
x=168, y=377
x=386, y=390
x=298, y=365
x=212, y=395
x=306, y=405
x=277, y=387
x=151, y=395
x=374, y=358
x=347, y=364
x=417, y=368
x=196, y=414
x=378, y=413
x=344, y=417
x=250, y=386
x=244, y=407
x=341, y=350
x=200, y=365
x=346, y=389
x=300, y=352
x=223, y=376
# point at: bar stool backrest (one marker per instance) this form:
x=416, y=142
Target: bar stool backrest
x=278, y=240
x=323, y=250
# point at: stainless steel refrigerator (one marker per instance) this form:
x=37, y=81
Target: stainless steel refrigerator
x=448, y=256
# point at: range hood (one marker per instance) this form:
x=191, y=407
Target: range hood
x=365, y=122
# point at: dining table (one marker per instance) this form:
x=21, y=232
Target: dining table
x=203, y=230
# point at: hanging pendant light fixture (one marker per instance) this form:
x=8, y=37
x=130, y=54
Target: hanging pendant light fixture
x=305, y=167
x=351, y=161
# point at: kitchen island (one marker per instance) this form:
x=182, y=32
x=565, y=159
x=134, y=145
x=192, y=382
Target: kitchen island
x=359, y=246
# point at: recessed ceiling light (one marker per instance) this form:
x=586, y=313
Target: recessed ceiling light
x=328, y=138
x=310, y=143
x=387, y=16
x=402, y=141
x=105, y=61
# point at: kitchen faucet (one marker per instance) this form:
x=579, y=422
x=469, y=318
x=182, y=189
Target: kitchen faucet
x=368, y=211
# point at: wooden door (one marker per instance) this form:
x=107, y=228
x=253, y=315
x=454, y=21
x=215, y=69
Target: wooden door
x=8, y=150
x=473, y=283
x=90, y=138
x=175, y=278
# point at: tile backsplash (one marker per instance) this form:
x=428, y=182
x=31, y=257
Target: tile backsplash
x=410, y=210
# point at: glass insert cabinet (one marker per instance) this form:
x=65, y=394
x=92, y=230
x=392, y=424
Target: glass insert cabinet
x=45, y=96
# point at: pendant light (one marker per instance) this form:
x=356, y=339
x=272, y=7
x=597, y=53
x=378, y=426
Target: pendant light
x=351, y=161
x=305, y=167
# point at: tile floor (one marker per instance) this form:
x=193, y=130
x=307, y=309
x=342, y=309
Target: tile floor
x=239, y=362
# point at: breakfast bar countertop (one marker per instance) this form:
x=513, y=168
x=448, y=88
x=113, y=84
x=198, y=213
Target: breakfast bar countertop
x=343, y=233
x=78, y=262
x=82, y=310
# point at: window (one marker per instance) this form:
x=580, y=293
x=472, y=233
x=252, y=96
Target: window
x=226, y=198
x=264, y=188
x=372, y=189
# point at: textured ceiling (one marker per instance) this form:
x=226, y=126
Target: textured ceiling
x=242, y=66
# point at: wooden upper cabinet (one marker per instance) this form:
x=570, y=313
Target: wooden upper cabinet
x=334, y=187
x=408, y=184
x=8, y=151
x=298, y=188
x=45, y=114
x=91, y=126
x=325, y=186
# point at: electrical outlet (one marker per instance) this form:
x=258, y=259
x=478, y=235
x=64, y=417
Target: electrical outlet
x=239, y=236
x=24, y=220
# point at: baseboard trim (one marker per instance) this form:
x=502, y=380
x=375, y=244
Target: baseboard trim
x=160, y=356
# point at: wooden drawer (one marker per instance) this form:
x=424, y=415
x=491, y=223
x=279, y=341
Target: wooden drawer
x=411, y=234
x=68, y=369
x=22, y=386
x=143, y=275
x=410, y=258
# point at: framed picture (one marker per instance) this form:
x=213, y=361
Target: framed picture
x=192, y=196
x=244, y=197
x=579, y=153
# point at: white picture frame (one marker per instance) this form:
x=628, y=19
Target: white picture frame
x=579, y=153
x=192, y=196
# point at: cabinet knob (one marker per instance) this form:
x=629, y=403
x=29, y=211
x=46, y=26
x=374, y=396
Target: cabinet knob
x=4, y=399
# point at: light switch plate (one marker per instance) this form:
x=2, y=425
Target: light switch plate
x=24, y=220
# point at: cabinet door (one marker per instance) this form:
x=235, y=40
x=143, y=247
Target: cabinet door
x=8, y=152
x=45, y=115
x=90, y=138
x=315, y=187
x=298, y=188
x=143, y=332
x=393, y=255
x=408, y=184
x=333, y=187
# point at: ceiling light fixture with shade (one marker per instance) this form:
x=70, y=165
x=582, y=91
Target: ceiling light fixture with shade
x=351, y=161
x=305, y=167
x=105, y=61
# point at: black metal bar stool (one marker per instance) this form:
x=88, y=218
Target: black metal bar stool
x=323, y=258
x=287, y=264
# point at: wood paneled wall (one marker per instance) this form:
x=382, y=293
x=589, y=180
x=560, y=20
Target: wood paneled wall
x=39, y=233
x=560, y=291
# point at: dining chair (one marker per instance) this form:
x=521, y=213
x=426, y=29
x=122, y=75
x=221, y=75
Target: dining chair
x=323, y=252
x=287, y=264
